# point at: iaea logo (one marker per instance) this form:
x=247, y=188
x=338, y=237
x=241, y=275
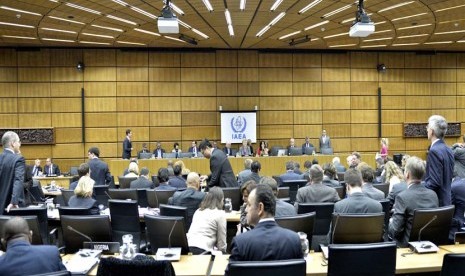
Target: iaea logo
x=238, y=124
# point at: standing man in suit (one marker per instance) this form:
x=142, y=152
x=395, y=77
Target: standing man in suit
x=159, y=151
x=416, y=196
x=221, y=171
x=356, y=202
x=50, y=168
x=99, y=171
x=307, y=144
x=143, y=181
x=316, y=191
x=127, y=145
x=267, y=241
x=12, y=170
x=325, y=142
x=194, y=149
x=228, y=150
x=36, y=170
x=22, y=258
x=440, y=161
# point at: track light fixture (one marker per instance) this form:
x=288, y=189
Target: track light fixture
x=296, y=41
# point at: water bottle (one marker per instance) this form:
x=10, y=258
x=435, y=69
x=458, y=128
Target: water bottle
x=304, y=243
x=128, y=250
x=227, y=205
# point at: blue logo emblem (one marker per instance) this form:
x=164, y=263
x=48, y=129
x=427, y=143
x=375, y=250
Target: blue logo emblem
x=238, y=124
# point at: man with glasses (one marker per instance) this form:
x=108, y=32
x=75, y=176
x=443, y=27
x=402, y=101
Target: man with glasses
x=12, y=169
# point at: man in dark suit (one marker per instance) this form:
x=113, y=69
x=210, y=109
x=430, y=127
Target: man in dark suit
x=159, y=151
x=416, y=196
x=228, y=150
x=267, y=241
x=144, y=149
x=396, y=189
x=163, y=177
x=367, y=186
x=12, y=170
x=36, y=170
x=356, y=202
x=177, y=180
x=99, y=171
x=325, y=141
x=221, y=171
x=50, y=168
x=246, y=172
x=190, y=198
x=283, y=209
x=255, y=168
x=291, y=145
x=458, y=199
x=143, y=181
x=127, y=145
x=194, y=149
x=307, y=144
x=22, y=258
x=290, y=174
x=440, y=161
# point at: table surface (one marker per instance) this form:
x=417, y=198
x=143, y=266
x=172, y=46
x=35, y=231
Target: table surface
x=193, y=265
x=457, y=248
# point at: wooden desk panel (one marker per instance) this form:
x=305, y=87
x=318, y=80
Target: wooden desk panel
x=458, y=248
x=61, y=181
x=270, y=165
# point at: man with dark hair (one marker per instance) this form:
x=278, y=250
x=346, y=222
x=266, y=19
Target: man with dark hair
x=228, y=150
x=82, y=170
x=12, y=170
x=316, y=191
x=50, y=168
x=290, y=174
x=145, y=149
x=163, y=178
x=297, y=168
x=329, y=175
x=194, y=149
x=222, y=174
x=356, y=202
x=255, y=168
x=127, y=145
x=190, y=198
x=158, y=151
x=246, y=172
x=177, y=180
x=440, y=161
x=22, y=258
x=416, y=196
x=143, y=181
x=283, y=209
x=99, y=171
x=267, y=241
x=367, y=186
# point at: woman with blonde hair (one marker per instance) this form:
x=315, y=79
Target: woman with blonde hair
x=384, y=148
x=393, y=174
x=184, y=170
x=82, y=197
x=133, y=170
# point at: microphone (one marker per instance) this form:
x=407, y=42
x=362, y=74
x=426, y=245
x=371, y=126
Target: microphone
x=107, y=195
x=426, y=225
x=79, y=233
x=168, y=253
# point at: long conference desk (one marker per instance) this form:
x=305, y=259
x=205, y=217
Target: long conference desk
x=199, y=265
x=271, y=165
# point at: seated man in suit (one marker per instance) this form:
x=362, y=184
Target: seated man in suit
x=158, y=152
x=228, y=150
x=307, y=144
x=316, y=191
x=163, y=178
x=50, y=168
x=290, y=174
x=367, y=186
x=356, y=202
x=458, y=199
x=194, y=149
x=283, y=209
x=416, y=196
x=145, y=149
x=177, y=180
x=246, y=172
x=291, y=145
x=22, y=258
x=337, y=163
x=190, y=198
x=267, y=241
x=36, y=170
x=143, y=181
x=255, y=168
x=329, y=175
x=83, y=170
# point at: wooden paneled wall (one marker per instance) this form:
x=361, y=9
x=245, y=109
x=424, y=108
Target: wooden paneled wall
x=175, y=96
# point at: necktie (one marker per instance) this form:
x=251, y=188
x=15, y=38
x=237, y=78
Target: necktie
x=51, y=169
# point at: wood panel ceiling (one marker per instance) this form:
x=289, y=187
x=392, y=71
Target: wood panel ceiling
x=432, y=25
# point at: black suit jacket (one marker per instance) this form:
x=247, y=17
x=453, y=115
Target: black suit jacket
x=142, y=183
x=127, y=146
x=55, y=169
x=458, y=199
x=189, y=198
x=99, y=172
x=31, y=170
x=178, y=182
x=12, y=170
x=22, y=258
x=162, y=151
x=221, y=171
x=439, y=171
x=229, y=152
x=266, y=242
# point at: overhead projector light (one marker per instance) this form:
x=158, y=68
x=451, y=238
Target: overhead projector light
x=363, y=26
x=168, y=22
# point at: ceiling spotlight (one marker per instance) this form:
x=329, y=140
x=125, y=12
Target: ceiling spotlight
x=381, y=68
x=80, y=66
x=299, y=40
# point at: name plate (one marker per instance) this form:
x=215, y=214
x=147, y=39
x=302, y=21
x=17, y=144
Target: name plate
x=106, y=247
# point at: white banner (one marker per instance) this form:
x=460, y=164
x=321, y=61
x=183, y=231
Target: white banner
x=238, y=126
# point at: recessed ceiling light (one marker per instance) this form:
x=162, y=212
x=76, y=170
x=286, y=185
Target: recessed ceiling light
x=289, y=35
x=276, y=5
x=377, y=39
x=373, y=46
x=82, y=8
x=309, y=6
x=410, y=16
x=93, y=42
x=98, y=35
x=17, y=25
x=107, y=28
x=439, y=42
x=175, y=39
x=67, y=20
x=58, y=30
x=144, y=12
x=396, y=6
x=342, y=45
x=231, y=30
x=382, y=31
x=335, y=35
x=200, y=33
x=18, y=10
x=273, y=22
x=410, y=36
x=20, y=37
x=130, y=43
x=207, y=5
x=380, y=22
x=59, y=40
x=316, y=25
x=263, y=30
x=146, y=32
x=242, y=5
x=405, y=44
x=450, y=8
x=227, y=15
x=450, y=32
x=336, y=11
x=184, y=24
x=121, y=19
x=416, y=26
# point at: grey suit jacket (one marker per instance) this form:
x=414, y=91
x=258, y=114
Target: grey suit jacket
x=142, y=183
x=314, y=193
x=253, y=176
x=243, y=175
x=372, y=192
x=284, y=209
x=12, y=170
x=326, y=143
x=396, y=189
x=222, y=174
x=357, y=203
x=415, y=197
